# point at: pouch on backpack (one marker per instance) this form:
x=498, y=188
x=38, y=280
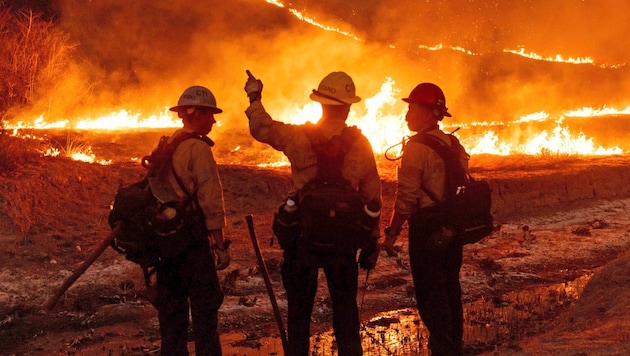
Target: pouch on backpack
x=469, y=212
x=135, y=237
x=330, y=217
x=467, y=208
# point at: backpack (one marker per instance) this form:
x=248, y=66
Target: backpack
x=466, y=210
x=330, y=208
x=146, y=224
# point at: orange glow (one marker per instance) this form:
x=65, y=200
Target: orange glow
x=78, y=153
x=313, y=21
x=559, y=142
x=556, y=58
x=560, y=59
x=382, y=121
x=120, y=120
x=590, y=112
x=440, y=47
x=124, y=119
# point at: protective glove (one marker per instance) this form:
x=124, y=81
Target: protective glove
x=223, y=258
x=253, y=88
x=388, y=244
x=369, y=256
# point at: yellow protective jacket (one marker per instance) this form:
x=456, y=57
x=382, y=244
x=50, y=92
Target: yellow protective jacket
x=194, y=163
x=422, y=165
x=359, y=164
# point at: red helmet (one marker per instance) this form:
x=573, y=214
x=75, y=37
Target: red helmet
x=430, y=95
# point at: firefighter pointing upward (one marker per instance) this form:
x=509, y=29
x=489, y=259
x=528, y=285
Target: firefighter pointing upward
x=353, y=164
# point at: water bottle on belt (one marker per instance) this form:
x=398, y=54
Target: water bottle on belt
x=286, y=223
x=289, y=215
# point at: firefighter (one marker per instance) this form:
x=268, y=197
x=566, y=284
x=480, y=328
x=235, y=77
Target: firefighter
x=188, y=282
x=336, y=93
x=435, y=270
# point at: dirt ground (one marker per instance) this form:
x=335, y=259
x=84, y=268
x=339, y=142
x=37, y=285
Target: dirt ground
x=553, y=278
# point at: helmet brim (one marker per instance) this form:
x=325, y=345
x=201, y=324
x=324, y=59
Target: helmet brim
x=444, y=110
x=329, y=100
x=178, y=108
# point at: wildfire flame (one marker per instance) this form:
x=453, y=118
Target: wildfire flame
x=383, y=124
x=380, y=117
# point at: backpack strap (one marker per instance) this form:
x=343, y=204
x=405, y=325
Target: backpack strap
x=330, y=152
x=158, y=168
x=448, y=155
x=176, y=141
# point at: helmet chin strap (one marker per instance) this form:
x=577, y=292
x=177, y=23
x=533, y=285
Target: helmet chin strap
x=428, y=128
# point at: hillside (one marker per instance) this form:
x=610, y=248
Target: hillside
x=561, y=221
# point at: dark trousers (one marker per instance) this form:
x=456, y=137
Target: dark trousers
x=299, y=278
x=438, y=290
x=189, y=282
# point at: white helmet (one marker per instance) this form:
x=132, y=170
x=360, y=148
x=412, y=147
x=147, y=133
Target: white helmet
x=197, y=96
x=337, y=88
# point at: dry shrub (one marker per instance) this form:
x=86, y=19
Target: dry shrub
x=14, y=152
x=34, y=57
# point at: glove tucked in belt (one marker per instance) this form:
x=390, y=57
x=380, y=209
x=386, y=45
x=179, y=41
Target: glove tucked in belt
x=223, y=255
x=388, y=244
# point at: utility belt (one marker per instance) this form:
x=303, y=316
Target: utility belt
x=185, y=231
x=428, y=217
x=289, y=228
x=429, y=225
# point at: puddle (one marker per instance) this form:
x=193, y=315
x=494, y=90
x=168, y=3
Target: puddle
x=401, y=332
x=241, y=345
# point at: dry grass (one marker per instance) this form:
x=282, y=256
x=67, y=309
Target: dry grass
x=14, y=152
x=34, y=57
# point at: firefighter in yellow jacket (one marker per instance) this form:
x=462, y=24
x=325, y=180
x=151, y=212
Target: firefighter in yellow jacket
x=187, y=280
x=435, y=262
x=336, y=93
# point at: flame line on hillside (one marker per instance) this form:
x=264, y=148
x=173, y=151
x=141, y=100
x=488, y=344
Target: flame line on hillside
x=310, y=20
x=383, y=123
x=558, y=58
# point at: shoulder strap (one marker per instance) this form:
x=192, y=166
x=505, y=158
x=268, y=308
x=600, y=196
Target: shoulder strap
x=161, y=159
x=176, y=141
x=448, y=155
x=185, y=136
x=330, y=152
x=441, y=148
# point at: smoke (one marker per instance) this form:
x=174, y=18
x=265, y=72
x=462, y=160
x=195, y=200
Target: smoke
x=140, y=55
x=568, y=27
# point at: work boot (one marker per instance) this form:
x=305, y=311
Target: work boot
x=388, y=246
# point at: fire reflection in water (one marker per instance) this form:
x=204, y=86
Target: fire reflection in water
x=487, y=323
